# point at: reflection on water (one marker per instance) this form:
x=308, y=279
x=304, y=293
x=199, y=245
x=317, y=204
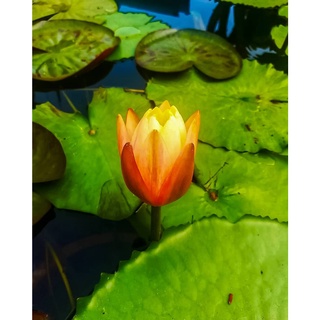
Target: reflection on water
x=167, y=7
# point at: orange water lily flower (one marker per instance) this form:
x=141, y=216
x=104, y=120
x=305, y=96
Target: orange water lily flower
x=157, y=153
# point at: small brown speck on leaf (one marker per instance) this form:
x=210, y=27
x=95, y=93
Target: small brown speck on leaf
x=92, y=132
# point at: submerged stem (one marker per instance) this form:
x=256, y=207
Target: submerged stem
x=75, y=110
x=155, y=223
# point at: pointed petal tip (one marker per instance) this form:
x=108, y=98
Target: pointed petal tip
x=193, y=128
x=132, y=121
x=165, y=105
x=122, y=133
x=131, y=113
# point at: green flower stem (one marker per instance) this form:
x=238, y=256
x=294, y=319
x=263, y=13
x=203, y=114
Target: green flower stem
x=156, y=229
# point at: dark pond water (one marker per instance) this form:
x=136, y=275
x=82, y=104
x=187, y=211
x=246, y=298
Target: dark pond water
x=85, y=244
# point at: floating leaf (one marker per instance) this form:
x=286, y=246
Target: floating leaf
x=243, y=183
x=66, y=47
x=48, y=159
x=45, y=8
x=93, y=180
x=174, y=50
x=232, y=185
x=245, y=113
x=259, y=3
x=279, y=35
x=130, y=28
x=190, y=273
x=79, y=189
x=87, y=10
x=40, y=206
x=283, y=11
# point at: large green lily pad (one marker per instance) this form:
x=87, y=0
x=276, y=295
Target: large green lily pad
x=231, y=185
x=172, y=50
x=93, y=180
x=67, y=47
x=73, y=9
x=130, y=28
x=190, y=273
x=246, y=113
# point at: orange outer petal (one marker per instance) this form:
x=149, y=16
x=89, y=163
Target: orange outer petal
x=131, y=174
x=154, y=161
x=192, y=127
x=122, y=133
x=195, y=115
x=132, y=121
x=179, y=179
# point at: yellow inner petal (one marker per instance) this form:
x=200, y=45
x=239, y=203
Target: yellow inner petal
x=173, y=134
x=161, y=116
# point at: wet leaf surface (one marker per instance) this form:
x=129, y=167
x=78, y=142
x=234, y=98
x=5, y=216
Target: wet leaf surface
x=73, y=9
x=130, y=28
x=67, y=47
x=46, y=8
x=174, y=50
x=246, y=113
x=193, y=271
x=231, y=185
x=93, y=180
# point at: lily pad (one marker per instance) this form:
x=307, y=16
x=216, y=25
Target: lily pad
x=192, y=271
x=232, y=185
x=73, y=9
x=93, y=180
x=246, y=113
x=174, y=50
x=283, y=11
x=130, y=28
x=48, y=158
x=259, y=3
x=45, y=8
x=68, y=47
x=279, y=35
